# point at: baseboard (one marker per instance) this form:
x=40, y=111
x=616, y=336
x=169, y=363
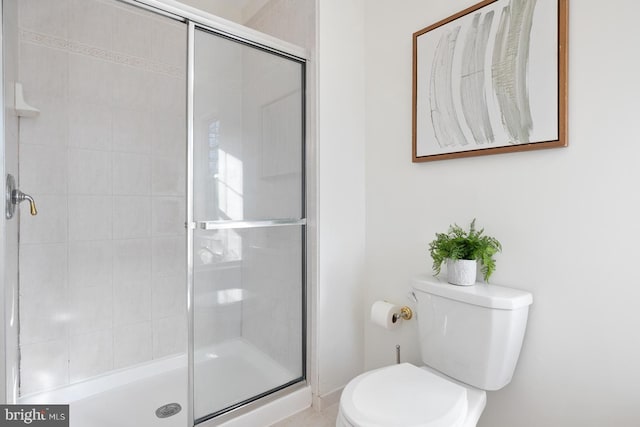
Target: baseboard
x=271, y=412
x=320, y=403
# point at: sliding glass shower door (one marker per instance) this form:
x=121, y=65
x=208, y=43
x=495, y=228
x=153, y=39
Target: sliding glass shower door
x=248, y=223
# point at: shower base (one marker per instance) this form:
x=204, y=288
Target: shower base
x=129, y=398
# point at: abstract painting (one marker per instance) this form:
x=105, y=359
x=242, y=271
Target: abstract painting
x=491, y=79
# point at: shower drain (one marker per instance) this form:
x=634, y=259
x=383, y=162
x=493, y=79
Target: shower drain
x=168, y=410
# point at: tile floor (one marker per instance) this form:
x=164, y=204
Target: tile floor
x=311, y=418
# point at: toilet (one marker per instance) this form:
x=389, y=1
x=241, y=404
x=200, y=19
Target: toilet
x=470, y=339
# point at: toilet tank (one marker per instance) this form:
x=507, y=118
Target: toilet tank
x=471, y=333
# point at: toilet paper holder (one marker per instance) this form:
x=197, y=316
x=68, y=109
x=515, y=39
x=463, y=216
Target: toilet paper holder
x=405, y=313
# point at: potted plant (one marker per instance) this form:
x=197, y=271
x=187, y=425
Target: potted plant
x=462, y=250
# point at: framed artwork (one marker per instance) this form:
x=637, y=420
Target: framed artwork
x=491, y=79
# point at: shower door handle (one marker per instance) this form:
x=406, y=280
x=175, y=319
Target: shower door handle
x=14, y=196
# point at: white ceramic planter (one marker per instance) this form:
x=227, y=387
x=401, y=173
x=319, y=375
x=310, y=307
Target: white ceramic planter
x=462, y=272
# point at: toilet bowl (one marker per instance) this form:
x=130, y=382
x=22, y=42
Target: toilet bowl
x=405, y=395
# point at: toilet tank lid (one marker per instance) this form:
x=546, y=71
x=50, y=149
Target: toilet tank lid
x=481, y=294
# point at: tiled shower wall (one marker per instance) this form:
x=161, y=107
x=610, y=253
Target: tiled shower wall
x=102, y=271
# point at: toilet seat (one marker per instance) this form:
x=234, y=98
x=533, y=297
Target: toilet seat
x=403, y=396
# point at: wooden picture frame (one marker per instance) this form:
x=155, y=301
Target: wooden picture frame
x=491, y=79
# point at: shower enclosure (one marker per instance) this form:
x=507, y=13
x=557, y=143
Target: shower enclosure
x=162, y=279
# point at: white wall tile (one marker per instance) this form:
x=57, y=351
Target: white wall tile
x=44, y=73
x=91, y=80
x=45, y=16
x=89, y=125
x=132, y=344
x=90, y=355
x=170, y=95
x=50, y=225
x=91, y=309
x=169, y=255
x=90, y=263
x=169, y=296
x=44, y=317
x=131, y=174
x=91, y=22
x=131, y=217
x=89, y=172
x=50, y=127
x=169, y=336
x=132, y=129
x=131, y=302
x=132, y=32
x=43, y=169
x=169, y=44
x=43, y=292
x=167, y=177
x=134, y=89
x=168, y=216
x=90, y=217
x=170, y=136
x=43, y=366
x=43, y=269
x=132, y=259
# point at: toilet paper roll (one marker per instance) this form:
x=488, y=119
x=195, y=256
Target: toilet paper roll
x=382, y=314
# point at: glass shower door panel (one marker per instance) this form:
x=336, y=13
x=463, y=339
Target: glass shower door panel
x=247, y=316
x=248, y=132
x=248, y=205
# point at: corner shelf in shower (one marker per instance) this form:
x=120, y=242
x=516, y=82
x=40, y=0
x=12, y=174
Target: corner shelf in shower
x=22, y=108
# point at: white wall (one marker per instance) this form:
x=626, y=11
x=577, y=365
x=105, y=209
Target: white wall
x=341, y=147
x=568, y=218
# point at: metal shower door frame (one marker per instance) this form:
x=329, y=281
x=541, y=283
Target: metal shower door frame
x=211, y=23
x=192, y=225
